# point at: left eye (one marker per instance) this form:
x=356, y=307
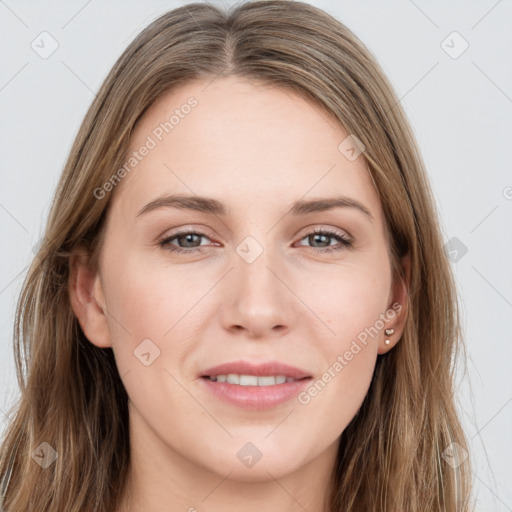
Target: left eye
x=317, y=236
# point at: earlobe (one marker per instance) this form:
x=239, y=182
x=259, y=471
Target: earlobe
x=87, y=299
x=399, y=304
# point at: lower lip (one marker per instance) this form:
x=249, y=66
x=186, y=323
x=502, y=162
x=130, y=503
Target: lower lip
x=256, y=398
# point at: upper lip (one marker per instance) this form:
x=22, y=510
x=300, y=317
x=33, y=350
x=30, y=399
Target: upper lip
x=259, y=369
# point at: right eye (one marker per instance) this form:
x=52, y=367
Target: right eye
x=190, y=237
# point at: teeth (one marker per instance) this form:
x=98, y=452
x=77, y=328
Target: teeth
x=233, y=379
x=268, y=381
x=248, y=380
x=251, y=380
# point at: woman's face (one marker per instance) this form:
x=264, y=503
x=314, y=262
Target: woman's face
x=254, y=284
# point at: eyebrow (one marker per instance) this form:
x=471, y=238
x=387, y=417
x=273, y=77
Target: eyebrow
x=215, y=207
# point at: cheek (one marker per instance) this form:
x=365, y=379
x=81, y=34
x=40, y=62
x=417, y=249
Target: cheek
x=151, y=325
x=148, y=295
x=353, y=305
x=146, y=303
x=349, y=300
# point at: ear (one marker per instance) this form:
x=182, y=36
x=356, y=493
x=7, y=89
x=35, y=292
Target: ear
x=399, y=304
x=87, y=299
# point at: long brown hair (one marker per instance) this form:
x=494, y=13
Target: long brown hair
x=391, y=455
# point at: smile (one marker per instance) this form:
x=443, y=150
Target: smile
x=251, y=380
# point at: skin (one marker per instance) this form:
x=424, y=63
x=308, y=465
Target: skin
x=258, y=149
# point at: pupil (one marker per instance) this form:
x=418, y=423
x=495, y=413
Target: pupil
x=189, y=238
x=316, y=237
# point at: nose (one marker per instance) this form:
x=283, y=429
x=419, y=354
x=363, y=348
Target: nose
x=258, y=301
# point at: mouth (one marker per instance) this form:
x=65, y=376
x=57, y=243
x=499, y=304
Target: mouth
x=252, y=380
x=255, y=386
x=247, y=373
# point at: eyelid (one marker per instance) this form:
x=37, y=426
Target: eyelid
x=190, y=228
x=326, y=227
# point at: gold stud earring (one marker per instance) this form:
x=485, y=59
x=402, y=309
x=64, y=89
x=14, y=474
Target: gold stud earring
x=388, y=332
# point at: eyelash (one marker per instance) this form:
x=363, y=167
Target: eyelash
x=344, y=241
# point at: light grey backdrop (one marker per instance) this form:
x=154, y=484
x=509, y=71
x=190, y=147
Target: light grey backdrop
x=459, y=102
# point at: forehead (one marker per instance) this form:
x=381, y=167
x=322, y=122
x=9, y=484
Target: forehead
x=248, y=144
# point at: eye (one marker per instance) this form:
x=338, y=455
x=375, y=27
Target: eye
x=189, y=237
x=320, y=236
x=190, y=240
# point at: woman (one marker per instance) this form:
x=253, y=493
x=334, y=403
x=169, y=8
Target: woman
x=258, y=369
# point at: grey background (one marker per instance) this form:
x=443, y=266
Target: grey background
x=460, y=110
